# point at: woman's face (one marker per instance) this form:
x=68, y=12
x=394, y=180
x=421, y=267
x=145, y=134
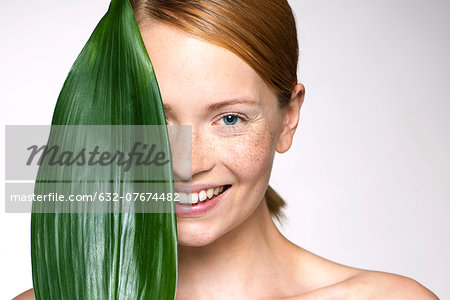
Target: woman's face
x=236, y=125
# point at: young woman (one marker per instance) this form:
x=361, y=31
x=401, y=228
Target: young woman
x=228, y=68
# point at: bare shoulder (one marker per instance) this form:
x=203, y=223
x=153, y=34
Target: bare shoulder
x=370, y=285
x=27, y=295
x=330, y=280
x=381, y=285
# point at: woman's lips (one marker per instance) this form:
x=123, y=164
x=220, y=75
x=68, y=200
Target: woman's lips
x=200, y=206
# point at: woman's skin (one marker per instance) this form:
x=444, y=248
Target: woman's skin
x=235, y=251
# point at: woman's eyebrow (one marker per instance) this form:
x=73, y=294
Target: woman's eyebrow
x=221, y=104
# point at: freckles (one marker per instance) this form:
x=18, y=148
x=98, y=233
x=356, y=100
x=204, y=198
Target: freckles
x=250, y=153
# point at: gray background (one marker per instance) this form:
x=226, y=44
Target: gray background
x=367, y=179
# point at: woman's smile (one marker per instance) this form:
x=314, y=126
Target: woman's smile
x=200, y=200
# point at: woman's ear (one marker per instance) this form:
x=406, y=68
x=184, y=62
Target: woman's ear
x=291, y=116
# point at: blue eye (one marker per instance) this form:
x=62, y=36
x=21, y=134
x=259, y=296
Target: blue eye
x=230, y=119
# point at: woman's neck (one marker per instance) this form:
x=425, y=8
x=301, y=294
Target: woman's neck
x=242, y=263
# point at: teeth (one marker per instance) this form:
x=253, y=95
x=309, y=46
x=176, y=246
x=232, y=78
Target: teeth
x=202, y=195
x=192, y=198
x=183, y=198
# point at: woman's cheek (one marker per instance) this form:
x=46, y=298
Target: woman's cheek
x=248, y=155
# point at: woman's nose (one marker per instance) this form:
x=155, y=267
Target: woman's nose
x=181, y=147
x=190, y=152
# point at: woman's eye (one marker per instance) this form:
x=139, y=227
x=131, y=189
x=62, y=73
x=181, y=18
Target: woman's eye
x=230, y=119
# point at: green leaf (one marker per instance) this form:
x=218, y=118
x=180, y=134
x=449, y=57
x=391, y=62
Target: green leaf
x=112, y=255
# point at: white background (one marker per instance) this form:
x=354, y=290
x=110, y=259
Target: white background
x=367, y=179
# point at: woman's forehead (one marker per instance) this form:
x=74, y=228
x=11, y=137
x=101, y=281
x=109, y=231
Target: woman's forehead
x=194, y=65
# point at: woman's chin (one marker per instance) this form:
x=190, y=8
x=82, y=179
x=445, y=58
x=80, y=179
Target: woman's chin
x=196, y=236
